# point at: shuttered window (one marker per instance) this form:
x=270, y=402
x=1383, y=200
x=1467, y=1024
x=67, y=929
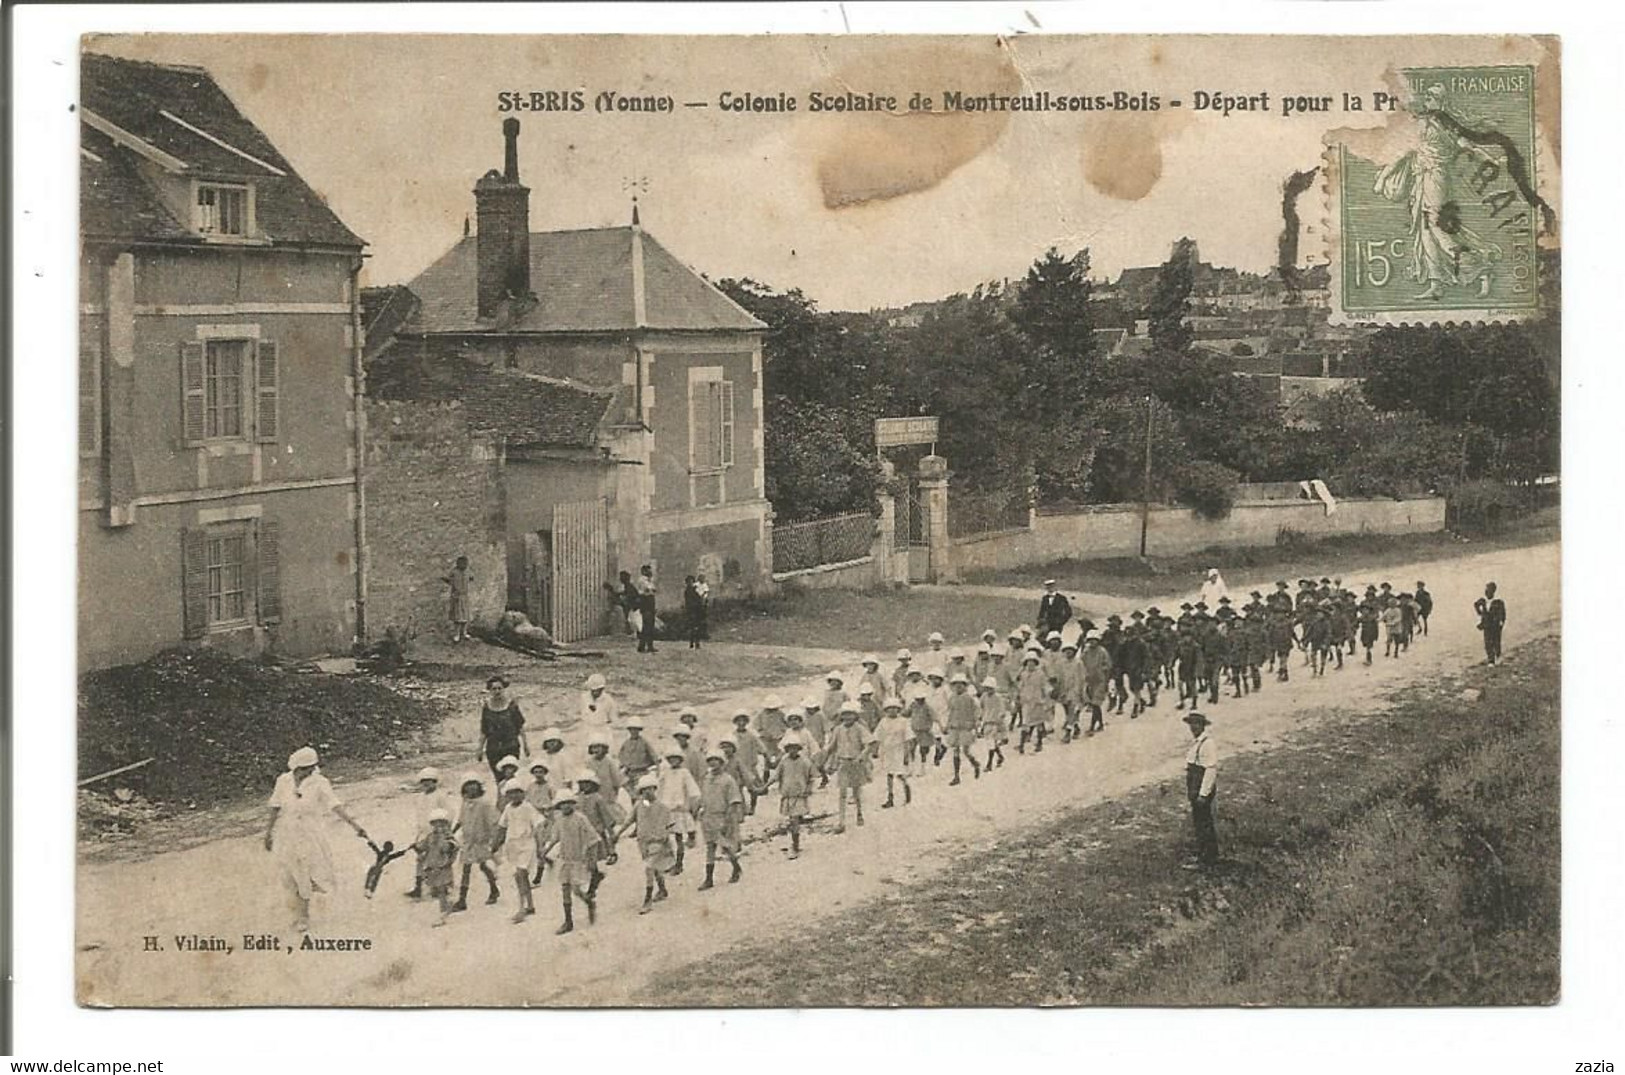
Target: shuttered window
x=231, y=389
x=90, y=397
x=711, y=425
x=266, y=413
x=231, y=575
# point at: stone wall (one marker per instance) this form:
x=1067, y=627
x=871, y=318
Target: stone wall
x=434, y=492
x=1111, y=530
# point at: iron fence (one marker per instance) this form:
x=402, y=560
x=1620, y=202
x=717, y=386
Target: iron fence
x=838, y=539
x=986, y=511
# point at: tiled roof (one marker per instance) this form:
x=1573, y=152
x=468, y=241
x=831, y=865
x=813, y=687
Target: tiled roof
x=529, y=409
x=522, y=409
x=166, y=107
x=383, y=311
x=114, y=199
x=583, y=282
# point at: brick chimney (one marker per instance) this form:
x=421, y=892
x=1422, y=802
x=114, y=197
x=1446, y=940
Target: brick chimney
x=502, y=229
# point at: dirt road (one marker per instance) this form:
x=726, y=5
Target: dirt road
x=227, y=888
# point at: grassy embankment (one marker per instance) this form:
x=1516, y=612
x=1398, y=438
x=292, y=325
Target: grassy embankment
x=1305, y=557
x=1407, y=857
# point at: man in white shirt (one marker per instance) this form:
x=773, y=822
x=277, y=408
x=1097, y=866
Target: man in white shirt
x=1201, y=773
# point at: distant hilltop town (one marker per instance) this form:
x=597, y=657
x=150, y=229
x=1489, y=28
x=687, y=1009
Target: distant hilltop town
x=1263, y=324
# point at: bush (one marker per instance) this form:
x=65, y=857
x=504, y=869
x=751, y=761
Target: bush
x=1291, y=540
x=1208, y=488
x=1485, y=505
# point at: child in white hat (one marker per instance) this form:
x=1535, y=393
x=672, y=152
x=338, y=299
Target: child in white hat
x=477, y=824
x=579, y=846
x=835, y=697
x=847, y=754
x=873, y=676
x=722, y=808
x=637, y=755
x=794, y=777
x=679, y=792
x=892, y=734
x=1035, y=703
x=963, y=717
x=427, y=798
x=749, y=752
x=521, y=829
x=437, y=851
x=651, y=819
x=599, y=709
x=994, y=728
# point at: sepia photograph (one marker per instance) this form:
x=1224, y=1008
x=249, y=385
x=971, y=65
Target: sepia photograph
x=803, y=521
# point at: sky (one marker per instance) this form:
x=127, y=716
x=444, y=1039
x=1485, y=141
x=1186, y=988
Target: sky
x=858, y=210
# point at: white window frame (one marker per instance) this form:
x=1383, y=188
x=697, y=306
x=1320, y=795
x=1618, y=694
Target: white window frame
x=220, y=534
x=700, y=382
x=247, y=391
x=245, y=189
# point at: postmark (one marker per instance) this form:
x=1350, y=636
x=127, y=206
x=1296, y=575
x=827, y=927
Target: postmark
x=1436, y=216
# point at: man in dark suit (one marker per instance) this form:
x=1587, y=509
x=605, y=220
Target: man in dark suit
x=1053, y=610
x=1492, y=617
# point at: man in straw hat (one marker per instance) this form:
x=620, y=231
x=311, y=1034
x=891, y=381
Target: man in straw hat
x=1201, y=773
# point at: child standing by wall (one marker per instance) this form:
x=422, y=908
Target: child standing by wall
x=459, y=580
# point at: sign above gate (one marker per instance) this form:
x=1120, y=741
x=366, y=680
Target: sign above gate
x=897, y=432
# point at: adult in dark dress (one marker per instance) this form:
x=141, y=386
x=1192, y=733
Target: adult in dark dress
x=502, y=726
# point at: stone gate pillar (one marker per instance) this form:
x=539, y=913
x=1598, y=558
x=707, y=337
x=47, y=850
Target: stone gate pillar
x=934, y=496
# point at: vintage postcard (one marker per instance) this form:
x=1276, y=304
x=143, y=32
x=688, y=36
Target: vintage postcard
x=818, y=521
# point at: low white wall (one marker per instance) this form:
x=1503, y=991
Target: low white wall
x=852, y=575
x=1114, y=530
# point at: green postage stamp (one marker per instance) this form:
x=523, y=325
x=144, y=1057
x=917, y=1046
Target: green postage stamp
x=1438, y=215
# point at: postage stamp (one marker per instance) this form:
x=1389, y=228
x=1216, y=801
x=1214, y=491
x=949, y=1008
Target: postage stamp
x=1439, y=218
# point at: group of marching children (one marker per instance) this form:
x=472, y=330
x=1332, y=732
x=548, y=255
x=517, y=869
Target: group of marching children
x=942, y=705
x=1207, y=648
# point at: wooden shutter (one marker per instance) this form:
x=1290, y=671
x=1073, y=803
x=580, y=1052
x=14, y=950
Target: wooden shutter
x=269, y=571
x=195, y=582
x=267, y=413
x=193, y=431
x=701, y=436
x=90, y=396
x=725, y=423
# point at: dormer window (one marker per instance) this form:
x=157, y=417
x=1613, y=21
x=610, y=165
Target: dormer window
x=224, y=209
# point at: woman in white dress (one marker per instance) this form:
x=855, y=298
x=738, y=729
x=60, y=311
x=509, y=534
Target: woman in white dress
x=295, y=832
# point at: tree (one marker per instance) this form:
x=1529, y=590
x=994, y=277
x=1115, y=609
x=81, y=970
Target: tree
x=814, y=468
x=1051, y=313
x=1171, y=300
